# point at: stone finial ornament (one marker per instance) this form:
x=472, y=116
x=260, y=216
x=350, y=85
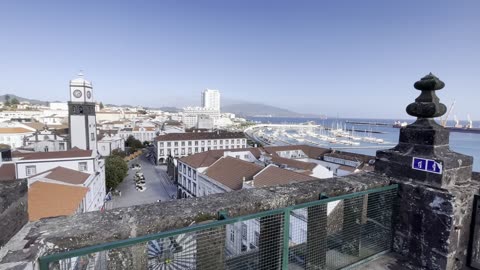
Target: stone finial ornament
x=427, y=105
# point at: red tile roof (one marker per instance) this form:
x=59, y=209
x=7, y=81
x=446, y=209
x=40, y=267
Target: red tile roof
x=13, y=130
x=273, y=175
x=67, y=175
x=51, y=200
x=292, y=163
x=207, y=158
x=7, y=172
x=72, y=153
x=231, y=172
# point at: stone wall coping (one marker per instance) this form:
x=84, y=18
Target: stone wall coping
x=53, y=235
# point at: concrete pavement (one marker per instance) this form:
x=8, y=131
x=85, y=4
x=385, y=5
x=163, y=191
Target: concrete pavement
x=159, y=186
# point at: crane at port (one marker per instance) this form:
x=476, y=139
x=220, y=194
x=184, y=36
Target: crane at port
x=443, y=122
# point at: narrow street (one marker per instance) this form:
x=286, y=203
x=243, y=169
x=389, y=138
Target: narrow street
x=158, y=184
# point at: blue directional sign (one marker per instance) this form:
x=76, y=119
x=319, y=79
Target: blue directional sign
x=419, y=164
x=427, y=165
x=434, y=167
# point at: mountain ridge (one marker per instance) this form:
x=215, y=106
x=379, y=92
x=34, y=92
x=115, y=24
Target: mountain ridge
x=240, y=108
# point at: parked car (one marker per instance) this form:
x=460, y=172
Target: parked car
x=141, y=188
x=136, y=166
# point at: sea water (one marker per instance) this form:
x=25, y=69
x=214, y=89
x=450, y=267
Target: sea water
x=465, y=143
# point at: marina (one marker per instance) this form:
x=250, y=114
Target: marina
x=336, y=136
x=464, y=142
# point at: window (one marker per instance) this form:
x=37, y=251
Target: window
x=92, y=136
x=203, y=142
x=257, y=239
x=183, y=151
x=180, y=168
x=161, y=144
x=189, y=143
x=189, y=185
x=226, y=141
x=82, y=166
x=232, y=236
x=175, y=151
x=175, y=143
x=194, y=189
x=215, y=142
x=169, y=144
x=237, y=156
x=183, y=143
x=161, y=152
x=62, y=146
x=189, y=151
x=196, y=143
x=31, y=170
x=221, y=141
x=189, y=172
x=196, y=149
x=244, y=231
x=245, y=156
x=238, y=141
x=194, y=175
x=45, y=149
x=232, y=141
x=208, y=142
x=184, y=167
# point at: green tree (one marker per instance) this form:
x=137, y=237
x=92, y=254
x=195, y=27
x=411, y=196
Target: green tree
x=14, y=101
x=6, y=103
x=101, y=106
x=116, y=170
x=133, y=143
x=118, y=152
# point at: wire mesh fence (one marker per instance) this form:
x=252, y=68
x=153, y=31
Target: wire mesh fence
x=327, y=234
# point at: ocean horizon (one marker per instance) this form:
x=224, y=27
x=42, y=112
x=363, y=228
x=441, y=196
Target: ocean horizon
x=464, y=143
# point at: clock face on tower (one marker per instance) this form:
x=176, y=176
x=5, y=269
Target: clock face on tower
x=89, y=94
x=77, y=93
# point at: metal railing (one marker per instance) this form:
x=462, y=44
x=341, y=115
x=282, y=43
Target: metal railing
x=331, y=233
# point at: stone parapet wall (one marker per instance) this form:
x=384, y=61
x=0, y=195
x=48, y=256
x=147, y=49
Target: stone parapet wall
x=13, y=208
x=53, y=235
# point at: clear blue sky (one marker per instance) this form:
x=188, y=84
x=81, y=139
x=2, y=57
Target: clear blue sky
x=351, y=58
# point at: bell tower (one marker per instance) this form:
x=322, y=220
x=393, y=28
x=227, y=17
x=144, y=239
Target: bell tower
x=81, y=115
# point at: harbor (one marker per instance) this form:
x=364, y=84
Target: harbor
x=336, y=136
x=465, y=142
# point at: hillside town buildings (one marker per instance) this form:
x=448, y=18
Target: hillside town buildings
x=219, y=171
x=65, y=176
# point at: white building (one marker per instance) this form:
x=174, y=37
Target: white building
x=45, y=141
x=58, y=106
x=211, y=99
x=183, y=144
x=14, y=133
x=92, y=199
x=191, y=115
x=140, y=133
x=110, y=142
x=82, y=120
x=72, y=179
